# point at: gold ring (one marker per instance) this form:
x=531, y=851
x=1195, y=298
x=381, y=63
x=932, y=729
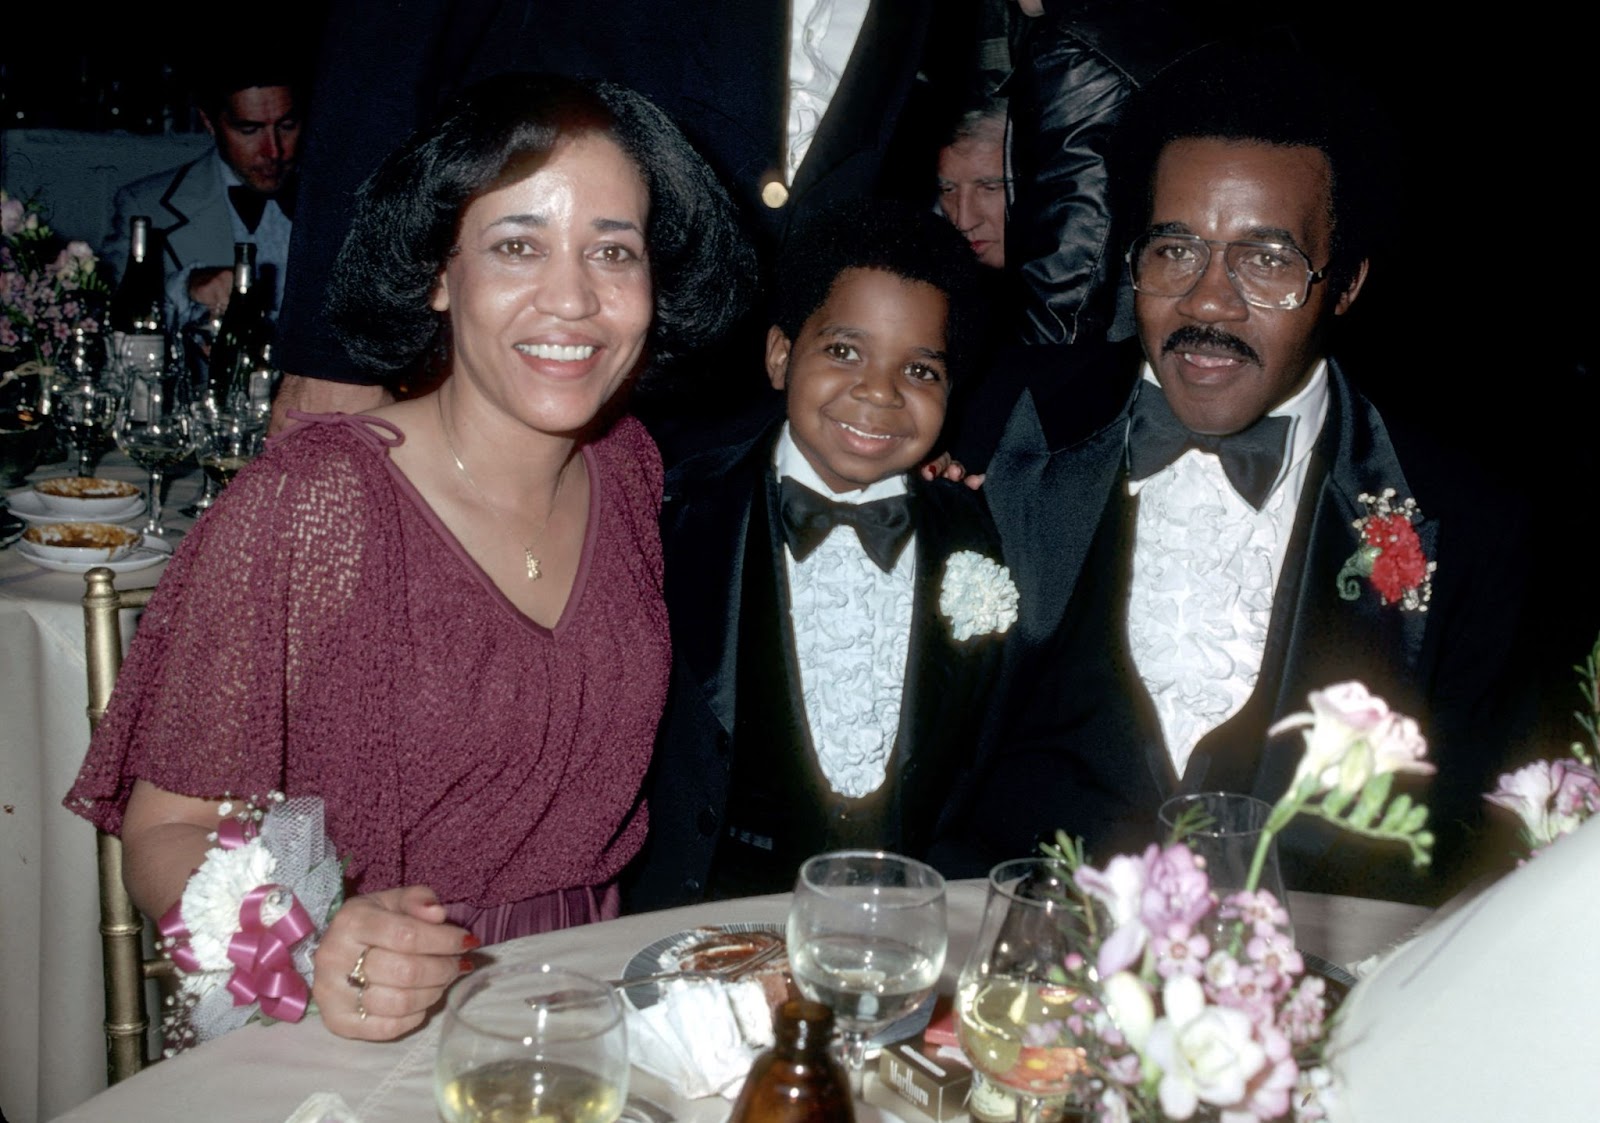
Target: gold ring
x=358, y=974
x=361, y=1008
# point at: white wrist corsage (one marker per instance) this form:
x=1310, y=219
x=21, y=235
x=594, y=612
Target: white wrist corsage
x=978, y=595
x=244, y=933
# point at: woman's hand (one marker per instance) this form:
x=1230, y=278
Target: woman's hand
x=408, y=955
x=951, y=469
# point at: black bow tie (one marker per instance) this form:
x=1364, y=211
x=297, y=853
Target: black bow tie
x=250, y=204
x=1251, y=458
x=883, y=526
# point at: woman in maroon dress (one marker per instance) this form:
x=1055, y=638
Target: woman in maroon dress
x=444, y=617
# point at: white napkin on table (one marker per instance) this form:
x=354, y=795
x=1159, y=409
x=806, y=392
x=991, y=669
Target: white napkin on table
x=702, y=1035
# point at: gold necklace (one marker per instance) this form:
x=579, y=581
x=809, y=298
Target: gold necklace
x=535, y=570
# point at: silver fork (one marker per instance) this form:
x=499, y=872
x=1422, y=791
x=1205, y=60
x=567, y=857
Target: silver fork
x=722, y=974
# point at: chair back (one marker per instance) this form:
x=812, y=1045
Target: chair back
x=121, y=927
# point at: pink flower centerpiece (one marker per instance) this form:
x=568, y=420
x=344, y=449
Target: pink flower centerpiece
x=1197, y=1004
x=48, y=286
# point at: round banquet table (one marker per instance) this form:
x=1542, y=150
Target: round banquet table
x=266, y=1072
x=50, y=1035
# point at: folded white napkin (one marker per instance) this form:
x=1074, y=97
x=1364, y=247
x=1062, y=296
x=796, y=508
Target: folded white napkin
x=702, y=1035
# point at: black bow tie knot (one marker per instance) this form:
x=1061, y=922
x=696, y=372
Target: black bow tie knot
x=1251, y=458
x=250, y=204
x=883, y=525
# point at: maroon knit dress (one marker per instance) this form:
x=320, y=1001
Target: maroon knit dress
x=320, y=632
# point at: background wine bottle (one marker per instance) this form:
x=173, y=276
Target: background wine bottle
x=797, y=1080
x=138, y=308
x=243, y=334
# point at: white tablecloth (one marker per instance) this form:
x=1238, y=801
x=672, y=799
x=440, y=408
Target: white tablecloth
x=51, y=1000
x=265, y=1072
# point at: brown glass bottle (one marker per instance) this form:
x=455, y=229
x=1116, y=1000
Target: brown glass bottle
x=797, y=1080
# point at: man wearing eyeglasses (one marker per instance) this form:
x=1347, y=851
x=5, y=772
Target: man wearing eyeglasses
x=1181, y=524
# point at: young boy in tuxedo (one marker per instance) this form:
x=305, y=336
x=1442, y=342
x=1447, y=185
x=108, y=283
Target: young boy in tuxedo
x=829, y=666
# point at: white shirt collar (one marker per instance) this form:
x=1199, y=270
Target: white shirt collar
x=790, y=461
x=1306, y=410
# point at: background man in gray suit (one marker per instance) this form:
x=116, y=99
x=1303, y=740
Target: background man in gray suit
x=242, y=191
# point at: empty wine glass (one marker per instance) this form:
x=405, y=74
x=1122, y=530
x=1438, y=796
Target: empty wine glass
x=867, y=939
x=1015, y=1007
x=85, y=411
x=522, y=1042
x=152, y=427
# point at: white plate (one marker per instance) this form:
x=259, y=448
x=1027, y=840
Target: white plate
x=151, y=551
x=26, y=504
x=648, y=961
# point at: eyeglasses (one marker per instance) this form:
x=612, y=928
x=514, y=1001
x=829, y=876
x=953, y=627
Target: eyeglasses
x=1264, y=274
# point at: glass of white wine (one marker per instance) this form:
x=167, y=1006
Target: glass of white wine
x=867, y=939
x=227, y=442
x=521, y=1042
x=1014, y=1003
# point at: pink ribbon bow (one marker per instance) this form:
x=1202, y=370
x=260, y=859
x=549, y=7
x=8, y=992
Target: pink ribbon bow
x=264, y=966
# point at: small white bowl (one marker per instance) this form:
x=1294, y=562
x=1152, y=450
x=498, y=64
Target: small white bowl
x=84, y=496
x=82, y=543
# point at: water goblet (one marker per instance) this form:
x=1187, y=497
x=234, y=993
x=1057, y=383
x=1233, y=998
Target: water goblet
x=521, y=1042
x=1015, y=1004
x=85, y=411
x=866, y=938
x=152, y=427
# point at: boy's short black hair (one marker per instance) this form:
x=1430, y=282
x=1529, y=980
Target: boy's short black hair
x=908, y=242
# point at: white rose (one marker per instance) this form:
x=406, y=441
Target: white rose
x=1204, y=1053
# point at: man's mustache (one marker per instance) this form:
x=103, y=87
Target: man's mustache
x=1191, y=337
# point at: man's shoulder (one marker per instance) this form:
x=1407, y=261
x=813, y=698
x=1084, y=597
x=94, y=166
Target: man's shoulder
x=153, y=188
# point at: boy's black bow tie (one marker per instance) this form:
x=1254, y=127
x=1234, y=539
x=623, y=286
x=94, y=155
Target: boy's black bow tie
x=883, y=526
x=1251, y=458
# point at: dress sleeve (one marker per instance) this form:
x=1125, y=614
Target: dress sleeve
x=245, y=630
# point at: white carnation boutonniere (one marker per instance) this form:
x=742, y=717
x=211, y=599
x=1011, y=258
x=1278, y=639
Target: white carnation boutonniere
x=978, y=596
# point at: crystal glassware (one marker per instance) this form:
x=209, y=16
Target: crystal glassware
x=1225, y=840
x=226, y=442
x=866, y=938
x=152, y=427
x=520, y=1043
x=1014, y=1006
x=85, y=412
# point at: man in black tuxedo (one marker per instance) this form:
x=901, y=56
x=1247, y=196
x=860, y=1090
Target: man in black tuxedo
x=823, y=694
x=1179, y=529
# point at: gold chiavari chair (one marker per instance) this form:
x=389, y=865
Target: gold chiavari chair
x=121, y=927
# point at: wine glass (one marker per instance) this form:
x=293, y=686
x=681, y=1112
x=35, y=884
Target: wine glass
x=867, y=939
x=1014, y=1001
x=226, y=442
x=522, y=1042
x=85, y=411
x=152, y=427
x=1226, y=841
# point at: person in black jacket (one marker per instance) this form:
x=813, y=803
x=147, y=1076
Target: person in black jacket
x=828, y=687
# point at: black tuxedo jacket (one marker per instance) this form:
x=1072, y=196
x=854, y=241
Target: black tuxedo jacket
x=712, y=521
x=1057, y=486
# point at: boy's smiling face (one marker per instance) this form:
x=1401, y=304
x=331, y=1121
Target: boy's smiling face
x=867, y=378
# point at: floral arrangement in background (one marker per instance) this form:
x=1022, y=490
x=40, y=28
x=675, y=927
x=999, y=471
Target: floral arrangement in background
x=1553, y=798
x=48, y=285
x=1196, y=1001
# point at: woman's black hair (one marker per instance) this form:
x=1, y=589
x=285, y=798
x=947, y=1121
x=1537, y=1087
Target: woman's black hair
x=909, y=242
x=408, y=214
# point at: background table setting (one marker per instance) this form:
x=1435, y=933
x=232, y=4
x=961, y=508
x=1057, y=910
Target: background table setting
x=267, y=1072
x=50, y=1035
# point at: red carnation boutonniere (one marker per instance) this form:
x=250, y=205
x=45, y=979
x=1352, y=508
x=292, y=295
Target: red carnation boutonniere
x=1390, y=554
